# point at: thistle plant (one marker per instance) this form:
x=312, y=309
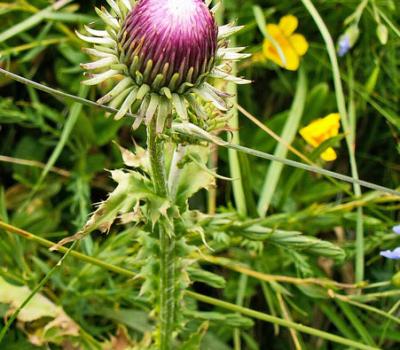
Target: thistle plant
x=163, y=56
x=170, y=275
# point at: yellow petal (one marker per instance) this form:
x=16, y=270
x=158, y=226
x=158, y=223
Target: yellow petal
x=270, y=48
x=292, y=58
x=308, y=134
x=299, y=43
x=288, y=24
x=321, y=130
x=332, y=124
x=329, y=155
x=335, y=117
x=271, y=53
x=273, y=30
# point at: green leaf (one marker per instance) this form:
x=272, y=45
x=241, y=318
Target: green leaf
x=317, y=101
x=206, y=277
x=230, y=320
x=315, y=292
x=193, y=343
x=134, y=319
x=131, y=189
x=193, y=177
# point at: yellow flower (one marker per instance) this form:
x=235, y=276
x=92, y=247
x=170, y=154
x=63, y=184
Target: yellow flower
x=293, y=45
x=321, y=130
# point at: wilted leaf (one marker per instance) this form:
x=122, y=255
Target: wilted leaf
x=56, y=330
x=139, y=159
x=37, y=308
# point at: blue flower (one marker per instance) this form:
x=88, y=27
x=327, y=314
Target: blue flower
x=348, y=39
x=344, y=45
x=392, y=254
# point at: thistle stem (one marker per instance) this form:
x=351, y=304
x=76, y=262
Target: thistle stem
x=167, y=243
x=175, y=171
x=167, y=289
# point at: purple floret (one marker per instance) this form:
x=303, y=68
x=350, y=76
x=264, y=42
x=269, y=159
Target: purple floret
x=176, y=35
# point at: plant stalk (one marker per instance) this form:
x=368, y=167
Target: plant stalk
x=155, y=148
x=175, y=171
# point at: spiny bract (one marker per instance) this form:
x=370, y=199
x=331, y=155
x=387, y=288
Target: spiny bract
x=164, y=55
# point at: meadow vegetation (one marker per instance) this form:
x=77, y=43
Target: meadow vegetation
x=285, y=216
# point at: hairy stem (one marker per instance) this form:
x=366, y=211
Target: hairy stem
x=167, y=243
x=175, y=171
x=167, y=289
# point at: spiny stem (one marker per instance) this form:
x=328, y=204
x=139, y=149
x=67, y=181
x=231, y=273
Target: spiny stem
x=175, y=172
x=167, y=243
x=167, y=289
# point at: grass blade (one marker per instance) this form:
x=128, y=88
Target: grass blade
x=73, y=116
x=281, y=151
x=32, y=21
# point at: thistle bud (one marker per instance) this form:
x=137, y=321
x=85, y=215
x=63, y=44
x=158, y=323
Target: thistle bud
x=169, y=43
x=164, y=53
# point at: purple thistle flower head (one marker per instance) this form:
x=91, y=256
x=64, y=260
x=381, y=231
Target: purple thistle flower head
x=175, y=39
x=164, y=56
